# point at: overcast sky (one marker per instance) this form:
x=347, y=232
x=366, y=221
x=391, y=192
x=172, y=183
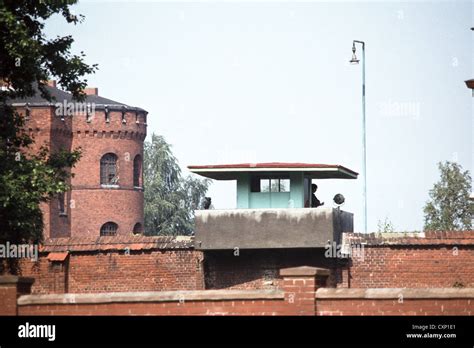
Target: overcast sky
x=264, y=81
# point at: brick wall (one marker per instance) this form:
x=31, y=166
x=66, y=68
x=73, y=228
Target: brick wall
x=140, y=271
x=393, y=308
x=435, y=260
x=48, y=130
x=391, y=301
x=234, y=305
x=126, y=207
x=114, y=264
x=259, y=269
x=237, y=304
x=50, y=277
x=432, y=260
x=12, y=287
x=298, y=295
x=164, y=263
x=92, y=205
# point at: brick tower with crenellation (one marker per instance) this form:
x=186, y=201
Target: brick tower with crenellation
x=106, y=195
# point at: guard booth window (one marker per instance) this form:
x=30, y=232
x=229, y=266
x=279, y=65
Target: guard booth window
x=265, y=184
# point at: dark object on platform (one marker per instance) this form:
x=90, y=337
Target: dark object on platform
x=339, y=199
x=206, y=203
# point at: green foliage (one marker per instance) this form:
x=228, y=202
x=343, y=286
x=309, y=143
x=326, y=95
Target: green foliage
x=449, y=208
x=170, y=199
x=25, y=182
x=27, y=59
x=385, y=227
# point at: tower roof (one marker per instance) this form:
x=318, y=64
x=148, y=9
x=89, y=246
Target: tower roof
x=60, y=96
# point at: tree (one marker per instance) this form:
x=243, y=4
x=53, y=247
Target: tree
x=27, y=60
x=170, y=200
x=449, y=208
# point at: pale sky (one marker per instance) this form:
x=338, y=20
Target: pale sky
x=244, y=81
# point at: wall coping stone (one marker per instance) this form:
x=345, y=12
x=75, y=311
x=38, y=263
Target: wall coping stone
x=120, y=243
x=152, y=296
x=304, y=271
x=394, y=293
x=13, y=279
x=422, y=239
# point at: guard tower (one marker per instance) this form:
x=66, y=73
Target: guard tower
x=272, y=208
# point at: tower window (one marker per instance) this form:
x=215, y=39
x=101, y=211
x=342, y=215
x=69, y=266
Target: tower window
x=124, y=113
x=61, y=204
x=138, y=229
x=106, y=113
x=109, y=229
x=137, y=171
x=108, y=169
x=266, y=184
x=88, y=113
x=27, y=111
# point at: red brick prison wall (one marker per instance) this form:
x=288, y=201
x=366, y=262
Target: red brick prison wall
x=139, y=271
x=236, y=307
x=392, y=307
x=296, y=297
x=436, y=261
x=393, y=301
x=115, y=271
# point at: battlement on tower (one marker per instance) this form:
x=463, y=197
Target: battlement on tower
x=94, y=116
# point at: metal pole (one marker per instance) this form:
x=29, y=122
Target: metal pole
x=364, y=141
x=364, y=165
